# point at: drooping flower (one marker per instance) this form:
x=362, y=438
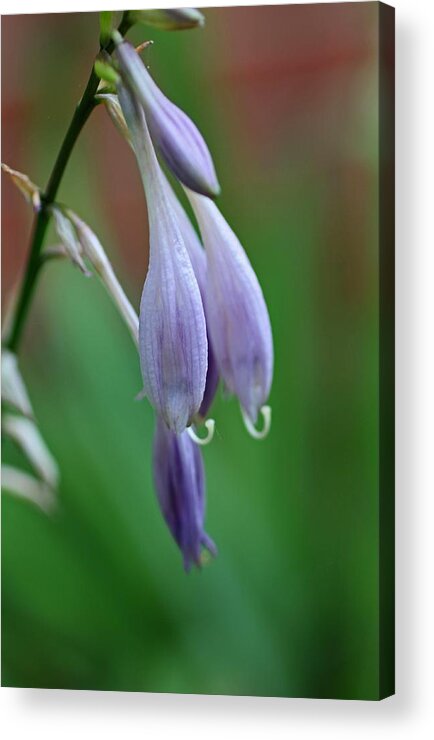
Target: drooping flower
x=192, y=243
x=180, y=485
x=197, y=256
x=237, y=315
x=172, y=331
x=172, y=131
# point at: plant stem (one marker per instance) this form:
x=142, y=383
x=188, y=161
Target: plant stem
x=34, y=263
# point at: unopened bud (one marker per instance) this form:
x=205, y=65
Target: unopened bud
x=172, y=131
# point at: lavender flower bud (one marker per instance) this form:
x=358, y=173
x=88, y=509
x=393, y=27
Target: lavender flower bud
x=172, y=131
x=171, y=19
x=237, y=316
x=180, y=484
x=172, y=331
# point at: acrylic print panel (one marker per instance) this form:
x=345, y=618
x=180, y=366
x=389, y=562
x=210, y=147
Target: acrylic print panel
x=116, y=573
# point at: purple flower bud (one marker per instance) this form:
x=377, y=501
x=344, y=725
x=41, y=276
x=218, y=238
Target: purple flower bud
x=237, y=315
x=172, y=331
x=172, y=131
x=197, y=256
x=180, y=484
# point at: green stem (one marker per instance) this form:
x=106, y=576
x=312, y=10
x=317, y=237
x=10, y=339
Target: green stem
x=34, y=263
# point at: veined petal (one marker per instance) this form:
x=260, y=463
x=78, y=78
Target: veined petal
x=237, y=315
x=198, y=260
x=180, y=484
x=172, y=330
x=173, y=132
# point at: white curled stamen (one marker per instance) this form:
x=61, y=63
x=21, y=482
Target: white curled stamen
x=255, y=433
x=210, y=426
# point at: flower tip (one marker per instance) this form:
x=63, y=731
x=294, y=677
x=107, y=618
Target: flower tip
x=198, y=175
x=204, y=558
x=210, y=550
x=196, y=183
x=213, y=191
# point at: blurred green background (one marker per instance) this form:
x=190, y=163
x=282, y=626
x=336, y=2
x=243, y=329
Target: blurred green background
x=95, y=597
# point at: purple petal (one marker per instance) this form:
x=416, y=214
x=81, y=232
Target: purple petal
x=237, y=316
x=198, y=260
x=180, y=483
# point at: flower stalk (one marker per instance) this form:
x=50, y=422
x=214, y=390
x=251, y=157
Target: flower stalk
x=203, y=316
x=34, y=263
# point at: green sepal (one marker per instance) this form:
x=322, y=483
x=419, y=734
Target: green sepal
x=105, y=26
x=106, y=72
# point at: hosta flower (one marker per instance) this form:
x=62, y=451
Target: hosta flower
x=237, y=315
x=180, y=485
x=197, y=256
x=172, y=131
x=192, y=244
x=172, y=331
